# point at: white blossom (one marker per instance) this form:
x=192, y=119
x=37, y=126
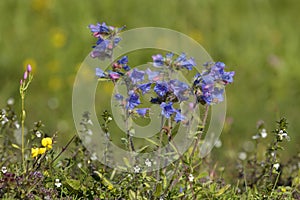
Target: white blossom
x=276, y=166
x=263, y=133
x=242, y=155
x=4, y=170
x=191, y=178
x=136, y=169
x=148, y=163
x=57, y=183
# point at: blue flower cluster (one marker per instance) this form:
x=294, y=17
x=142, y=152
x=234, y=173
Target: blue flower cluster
x=119, y=69
x=180, y=62
x=209, y=85
x=108, y=39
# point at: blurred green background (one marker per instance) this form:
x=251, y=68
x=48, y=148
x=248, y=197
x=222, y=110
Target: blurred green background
x=259, y=39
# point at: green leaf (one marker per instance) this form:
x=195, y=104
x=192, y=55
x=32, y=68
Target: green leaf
x=126, y=161
x=15, y=146
x=158, y=190
x=222, y=190
x=152, y=141
x=74, y=184
x=202, y=175
x=132, y=195
x=142, y=149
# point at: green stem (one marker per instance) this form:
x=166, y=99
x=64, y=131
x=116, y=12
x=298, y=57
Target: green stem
x=200, y=134
x=23, y=116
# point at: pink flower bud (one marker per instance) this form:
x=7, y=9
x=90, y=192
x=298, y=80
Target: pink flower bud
x=29, y=68
x=25, y=75
x=21, y=81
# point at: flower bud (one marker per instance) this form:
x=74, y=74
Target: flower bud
x=29, y=68
x=25, y=75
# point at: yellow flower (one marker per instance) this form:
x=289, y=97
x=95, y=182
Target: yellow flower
x=47, y=142
x=34, y=152
x=42, y=150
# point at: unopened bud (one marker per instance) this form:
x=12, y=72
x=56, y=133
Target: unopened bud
x=29, y=68
x=25, y=75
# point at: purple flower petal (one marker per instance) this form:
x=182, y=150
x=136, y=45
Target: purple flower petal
x=119, y=97
x=153, y=75
x=142, y=111
x=179, y=89
x=145, y=87
x=179, y=117
x=100, y=73
x=136, y=76
x=167, y=109
x=158, y=60
x=114, y=75
x=161, y=88
x=123, y=60
x=133, y=100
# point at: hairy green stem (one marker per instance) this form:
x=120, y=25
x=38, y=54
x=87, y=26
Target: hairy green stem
x=200, y=134
x=23, y=116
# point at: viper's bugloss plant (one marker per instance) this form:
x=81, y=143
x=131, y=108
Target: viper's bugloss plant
x=41, y=172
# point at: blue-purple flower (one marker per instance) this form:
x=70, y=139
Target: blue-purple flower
x=145, y=87
x=210, y=84
x=136, y=76
x=123, y=60
x=107, y=37
x=133, y=100
x=179, y=117
x=114, y=75
x=227, y=77
x=158, y=60
x=161, y=88
x=142, y=111
x=153, y=75
x=180, y=62
x=99, y=28
x=180, y=89
x=119, y=97
x=183, y=62
x=167, y=109
x=121, y=64
x=100, y=73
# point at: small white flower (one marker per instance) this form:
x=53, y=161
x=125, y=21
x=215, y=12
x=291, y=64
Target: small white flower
x=255, y=137
x=4, y=170
x=191, y=178
x=10, y=101
x=276, y=166
x=89, y=122
x=109, y=119
x=272, y=154
x=89, y=132
x=218, y=143
x=263, y=133
x=129, y=176
x=136, y=169
x=94, y=156
x=38, y=134
x=148, y=163
x=242, y=156
x=57, y=183
x=79, y=165
x=17, y=125
x=283, y=134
